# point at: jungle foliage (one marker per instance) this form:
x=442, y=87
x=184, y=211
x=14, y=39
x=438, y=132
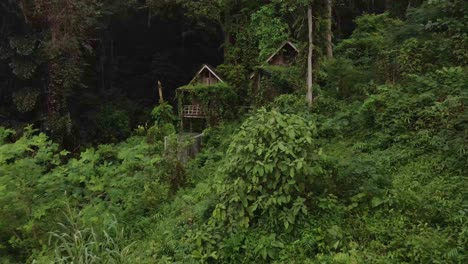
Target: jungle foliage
x=374, y=172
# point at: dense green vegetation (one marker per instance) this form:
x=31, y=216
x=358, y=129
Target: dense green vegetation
x=374, y=172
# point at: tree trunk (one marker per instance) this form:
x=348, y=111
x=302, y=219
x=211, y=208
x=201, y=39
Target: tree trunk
x=227, y=44
x=339, y=30
x=102, y=62
x=227, y=35
x=329, y=29
x=309, y=57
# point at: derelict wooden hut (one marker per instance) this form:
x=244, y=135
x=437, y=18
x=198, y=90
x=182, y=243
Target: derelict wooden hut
x=190, y=107
x=284, y=55
x=206, y=76
x=275, y=67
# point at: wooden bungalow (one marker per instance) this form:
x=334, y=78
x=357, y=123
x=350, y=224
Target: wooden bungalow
x=191, y=107
x=207, y=76
x=284, y=55
x=275, y=66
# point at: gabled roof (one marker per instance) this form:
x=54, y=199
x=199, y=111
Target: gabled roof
x=206, y=67
x=286, y=43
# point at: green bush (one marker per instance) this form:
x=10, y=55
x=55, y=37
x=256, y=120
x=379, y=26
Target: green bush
x=369, y=39
x=290, y=104
x=112, y=123
x=343, y=79
x=269, y=169
x=36, y=185
x=270, y=163
x=164, y=123
x=163, y=114
x=26, y=202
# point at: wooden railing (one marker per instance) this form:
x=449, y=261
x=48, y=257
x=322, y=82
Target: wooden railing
x=193, y=111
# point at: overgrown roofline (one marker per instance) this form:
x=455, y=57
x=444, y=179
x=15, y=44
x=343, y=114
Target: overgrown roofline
x=288, y=42
x=207, y=67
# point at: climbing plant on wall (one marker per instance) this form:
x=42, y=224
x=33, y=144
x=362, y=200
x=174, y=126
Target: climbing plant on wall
x=219, y=101
x=271, y=81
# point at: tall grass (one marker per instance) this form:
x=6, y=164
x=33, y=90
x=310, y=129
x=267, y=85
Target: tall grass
x=78, y=244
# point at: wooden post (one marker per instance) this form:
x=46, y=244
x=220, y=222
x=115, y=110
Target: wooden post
x=182, y=123
x=160, y=88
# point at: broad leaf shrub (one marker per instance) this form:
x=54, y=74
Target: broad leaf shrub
x=290, y=104
x=163, y=114
x=164, y=120
x=270, y=163
x=26, y=205
x=269, y=171
x=38, y=182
